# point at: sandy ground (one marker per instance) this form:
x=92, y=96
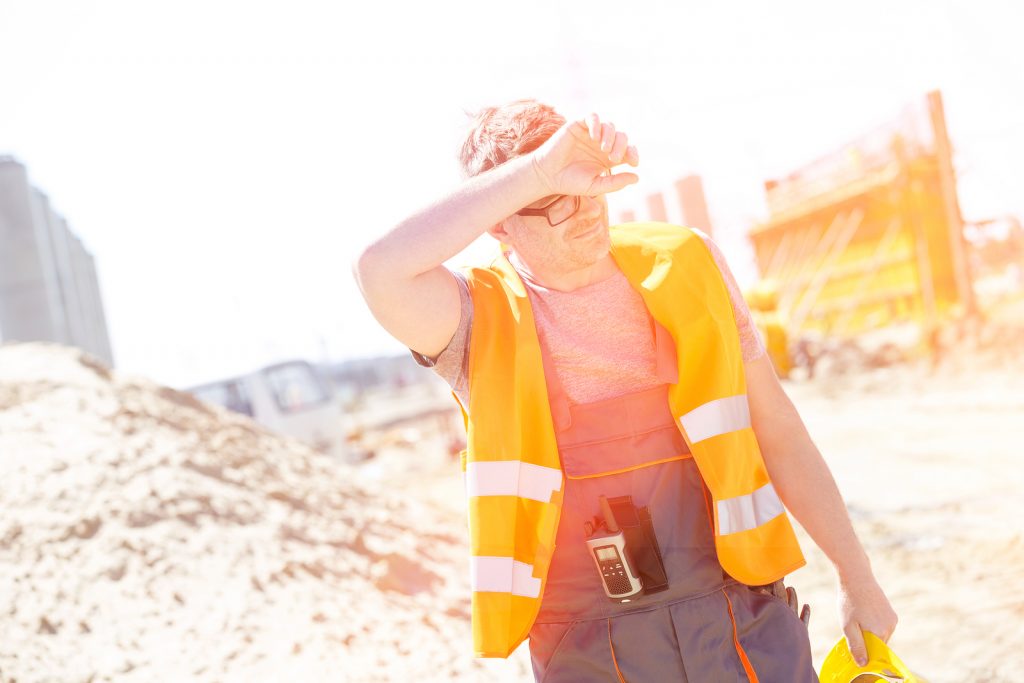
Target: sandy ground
x=147, y=537
x=930, y=466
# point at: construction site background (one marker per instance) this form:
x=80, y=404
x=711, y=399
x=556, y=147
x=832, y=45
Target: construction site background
x=151, y=536
x=866, y=259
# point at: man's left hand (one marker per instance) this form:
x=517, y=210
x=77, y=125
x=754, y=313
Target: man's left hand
x=864, y=607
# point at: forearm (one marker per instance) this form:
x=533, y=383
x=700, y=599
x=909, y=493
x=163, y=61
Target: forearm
x=800, y=475
x=434, y=234
x=807, y=488
x=805, y=485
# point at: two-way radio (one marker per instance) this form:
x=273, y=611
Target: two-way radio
x=618, y=576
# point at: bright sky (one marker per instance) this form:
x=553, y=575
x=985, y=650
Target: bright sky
x=225, y=161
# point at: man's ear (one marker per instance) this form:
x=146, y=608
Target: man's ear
x=499, y=232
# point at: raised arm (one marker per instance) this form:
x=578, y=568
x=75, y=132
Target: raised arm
x=410, y=292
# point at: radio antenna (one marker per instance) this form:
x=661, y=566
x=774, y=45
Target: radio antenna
x=609, y=518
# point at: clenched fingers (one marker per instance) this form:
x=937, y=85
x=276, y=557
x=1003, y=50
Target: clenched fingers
x=611, y=142
x=618, y=148
x=855, y=641
x=607, y=137
x=632, y=156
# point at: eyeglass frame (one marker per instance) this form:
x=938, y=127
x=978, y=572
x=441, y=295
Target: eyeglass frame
x=545, y=210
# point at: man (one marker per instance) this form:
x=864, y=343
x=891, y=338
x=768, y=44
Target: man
x=599, y=365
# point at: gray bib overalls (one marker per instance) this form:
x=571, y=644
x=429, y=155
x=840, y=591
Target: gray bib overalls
x=705, y=623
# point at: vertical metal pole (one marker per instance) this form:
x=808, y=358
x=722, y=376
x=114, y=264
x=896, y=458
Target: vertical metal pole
x=947, y=179
x=912, y=212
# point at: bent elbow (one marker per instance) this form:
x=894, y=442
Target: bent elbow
x=367, y=267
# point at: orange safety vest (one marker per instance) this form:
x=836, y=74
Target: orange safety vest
x=514, y=480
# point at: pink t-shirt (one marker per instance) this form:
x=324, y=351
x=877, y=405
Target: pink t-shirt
x=599, y=337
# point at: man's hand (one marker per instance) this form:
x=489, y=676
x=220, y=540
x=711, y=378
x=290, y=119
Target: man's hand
x=864, y=607
x=794, y=604
x=573, y=161
x=787, y=593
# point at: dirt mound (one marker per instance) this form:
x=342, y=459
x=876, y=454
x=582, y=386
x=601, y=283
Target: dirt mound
x=148, y=536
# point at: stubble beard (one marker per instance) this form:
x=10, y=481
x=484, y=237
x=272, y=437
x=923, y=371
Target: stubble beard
x=592, y=248
x=568, y=254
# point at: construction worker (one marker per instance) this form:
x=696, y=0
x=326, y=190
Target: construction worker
x=597, y=364
x=763, y=301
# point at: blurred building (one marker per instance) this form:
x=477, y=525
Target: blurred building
x=689, y=209
x=870, y=237
x=656, y=207
x=48, y=285
x=362, y=374
x=692, y=203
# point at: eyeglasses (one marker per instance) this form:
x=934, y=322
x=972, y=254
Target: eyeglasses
x=558, y=211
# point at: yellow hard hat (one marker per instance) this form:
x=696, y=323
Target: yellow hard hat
x=883, y=665
x=763, y=296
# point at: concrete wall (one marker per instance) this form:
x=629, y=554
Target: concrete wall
x=50, y=275
x=48, y=284
x=24, y=302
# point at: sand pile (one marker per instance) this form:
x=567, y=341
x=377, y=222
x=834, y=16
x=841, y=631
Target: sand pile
x=147, y=536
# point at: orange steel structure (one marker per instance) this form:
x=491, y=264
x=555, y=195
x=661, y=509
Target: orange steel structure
x=869, y=235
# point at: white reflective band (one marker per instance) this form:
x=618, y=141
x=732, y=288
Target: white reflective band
x=503, y=575
x=512, y=478
x=720, y=416
x=748, y=512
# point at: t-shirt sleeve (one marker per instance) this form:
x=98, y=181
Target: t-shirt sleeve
x=452, y=364
x=751, y=344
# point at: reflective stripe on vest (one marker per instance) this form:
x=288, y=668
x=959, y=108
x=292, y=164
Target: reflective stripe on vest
x=512, y=478
x=503, y=575
x=720, y=416
x=743, y=513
